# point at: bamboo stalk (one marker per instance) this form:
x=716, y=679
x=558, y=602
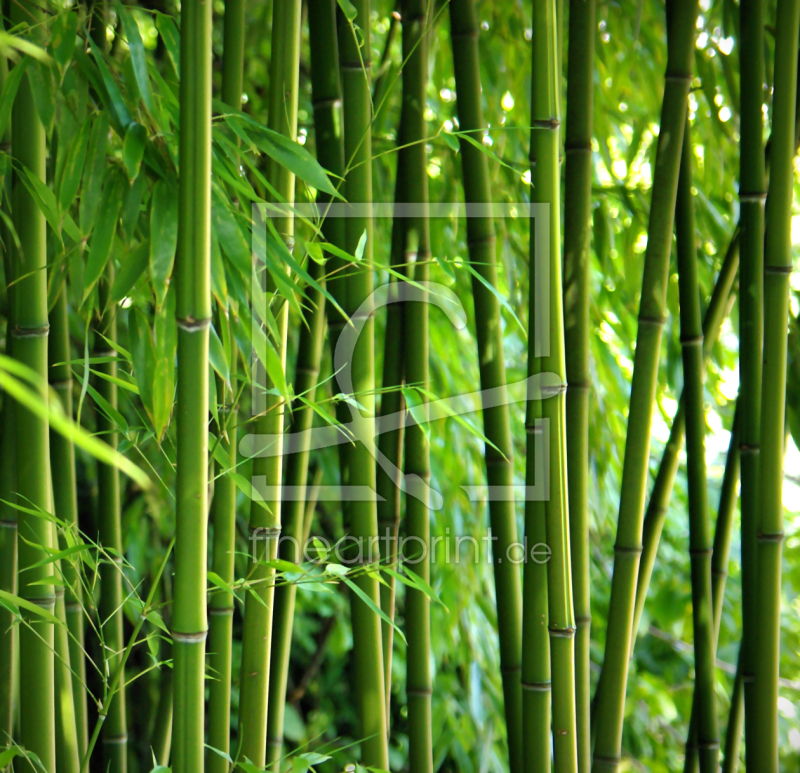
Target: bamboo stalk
x=284, y=74
x=161, y=743
x=193, y=315
x=719, y=574
x=67, y=759
x=577, y=237
x=700, y=541
x=546, y=355
x=223, y=505
x=325, y=93
x=722, y=299
x=8, y=487
x=62, y=457
x=752, y=194
x=115, y=732
x=361, y=517
x=36, y=635
x=416, y=465
x=733, y=735
x=309, y=353
x=628, y=548
x=488, y=329
x=777, y=270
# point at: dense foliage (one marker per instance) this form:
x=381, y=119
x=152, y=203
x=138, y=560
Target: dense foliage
x=104, y=83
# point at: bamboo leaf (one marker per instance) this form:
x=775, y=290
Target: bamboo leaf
x=22, y=603
x=93, y=174
x=128, y=274
x=163, y=235
x=373, y=606
x=119, y=110
x=138, y=58
x=133, y=149
x=169, y=34
x=9, y=93
x=73, y=167
x=104, y=231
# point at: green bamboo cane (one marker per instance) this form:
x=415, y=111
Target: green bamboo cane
x=8, y=487
x=309, y=353
x=193, y=315
x=733, y=735
x=223, y=505
x=700, y=540
x=115, y=732
x=777, y=270
x=546, y=354
x=628, y=548
x=36, y=635
x=464, y=32
x=722, y=299
x=67, y=758
x=325, y=95
x=577, y=236
x=719, y=574
x=391, y=443
x=752, y=194
x=62, y=457
x=265, y=525
x=361, y=517
x=417, y=448
x=161, y=742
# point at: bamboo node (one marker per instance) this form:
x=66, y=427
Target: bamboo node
x=692, y=340
x=553, y=389
x=64, y=383
x=424, y=692
x=700, y=552
x=192, y=325
x=748, y=678
x=220, y=611
x=779, y=270
x=359, y=66
x=335, y=102
x=31, y=332
x=8, y=524
x=637, y=550
x=551, y=124
x=578, y=386
x=536, y=686
x=189, y=638
x=678, y=78
x=747, y=449
x=583, y=620
x=510, y=669
x=533, y=429
x=578, y=147
x=59, y=592
x=652, y=321
x=777, y=537
x=47, y=601
x=561, y=633
x=609, y=760
x=120, y=739
x=72, y=605
x=708, y=745
x=759, y=196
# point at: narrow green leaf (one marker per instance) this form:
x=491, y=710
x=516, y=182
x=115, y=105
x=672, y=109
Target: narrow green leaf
x=163, y=235
x=373, y=606
x=128, y=274
x=118, y=106
x=133, y=149
x=169, y=34
x=9, y=93
x=104, y=231
x=73, y=167
x=138, y=58
x=93, y=173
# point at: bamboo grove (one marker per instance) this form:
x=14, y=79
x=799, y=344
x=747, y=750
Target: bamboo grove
x=399, y=385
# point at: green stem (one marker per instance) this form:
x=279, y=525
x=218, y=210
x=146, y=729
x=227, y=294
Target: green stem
x=36, y=635
x=266, y=524
x=62, y=458
x=752, y=193
x=700, y=547
x=777, y=270
x=193, y=316
x=361, y=517
x=309, y=353
x=161, y=742
x=115, y=732
x=577, y=236
x=546, y=355
x=416, y=465
x=611, y=699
